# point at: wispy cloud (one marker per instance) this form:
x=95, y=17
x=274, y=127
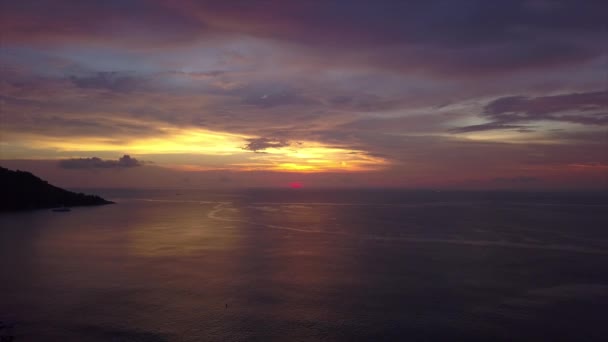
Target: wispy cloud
x=489, y=127
x=507, y=113
x=584, y=108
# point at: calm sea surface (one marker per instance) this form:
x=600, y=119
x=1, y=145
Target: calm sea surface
x=299, y=265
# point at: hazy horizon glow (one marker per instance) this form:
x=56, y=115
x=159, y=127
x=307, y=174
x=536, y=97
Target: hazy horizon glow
x=339, y=93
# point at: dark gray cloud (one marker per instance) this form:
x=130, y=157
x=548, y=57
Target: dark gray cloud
x=133, y=22
x=582, y=108
x=274, y=98
x=388, y=21
x=260, y=144
x=445, y=37
x=199, y=74
x=114, y=81
x=458, y=37
x=513, y=107
x=364, y=103
x=516, y=179
x=125, y=161
x=507, y=112
x=489, y=127
x=429, y=122
x=597, y=136
x=68, y=124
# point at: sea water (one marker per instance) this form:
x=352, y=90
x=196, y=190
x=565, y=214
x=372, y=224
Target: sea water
x=304, y=265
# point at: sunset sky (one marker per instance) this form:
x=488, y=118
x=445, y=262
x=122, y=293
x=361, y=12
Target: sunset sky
x=403, y=94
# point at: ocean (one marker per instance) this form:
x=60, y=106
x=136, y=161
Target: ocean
x=309, y=265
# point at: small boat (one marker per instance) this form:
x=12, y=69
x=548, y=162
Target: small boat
x=61, y=209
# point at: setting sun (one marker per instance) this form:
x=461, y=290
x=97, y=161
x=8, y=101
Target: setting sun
x=295, y=185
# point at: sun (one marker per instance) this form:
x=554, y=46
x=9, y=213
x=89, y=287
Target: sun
x=295, y=185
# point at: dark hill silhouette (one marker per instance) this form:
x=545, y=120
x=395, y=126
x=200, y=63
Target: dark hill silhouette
x=22, y=191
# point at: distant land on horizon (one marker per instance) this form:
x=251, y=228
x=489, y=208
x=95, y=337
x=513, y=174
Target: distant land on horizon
x=22, y=190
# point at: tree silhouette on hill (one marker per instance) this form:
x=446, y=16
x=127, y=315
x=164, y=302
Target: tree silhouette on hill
x=22, y=191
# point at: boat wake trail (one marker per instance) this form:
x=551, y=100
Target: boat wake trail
x=215, y=214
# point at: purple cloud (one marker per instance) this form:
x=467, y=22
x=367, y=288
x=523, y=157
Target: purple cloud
x=125, y=161
x=489, y=127
x=260, y=144
x=583, y=108
x=113, y=81
x=580, y=108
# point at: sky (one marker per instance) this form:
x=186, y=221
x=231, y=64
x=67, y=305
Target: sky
x=468, y=94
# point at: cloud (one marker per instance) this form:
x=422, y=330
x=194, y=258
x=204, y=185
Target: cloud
x=132, y=23
x=274, y=99
x=479, y=37
x=384, y=78
x=114, y=81
x=427, y=122
x=518, y=108
x=506, y=112
x=489, y=127
x=199, y=75
x=125, y=161
x=517, y=179
x=439, y=37
x=260, y=144
x=387, y=21
x=599, y=136
x=364, y=103
x=272, y=95
x=582, y=108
